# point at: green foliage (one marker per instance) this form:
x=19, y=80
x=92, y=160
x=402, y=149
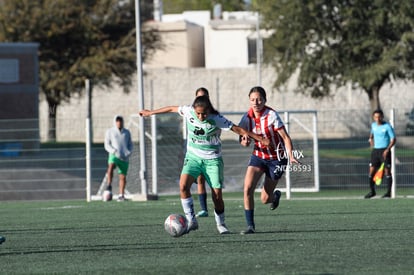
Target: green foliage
x=78, y=39
x=178, y=6
x=365, y=43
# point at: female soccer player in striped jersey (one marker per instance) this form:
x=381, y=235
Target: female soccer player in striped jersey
x=203, y=155
x=271, y=160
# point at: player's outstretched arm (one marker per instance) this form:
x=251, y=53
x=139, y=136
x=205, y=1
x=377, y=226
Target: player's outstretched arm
x=163, y=110
x=243, y=132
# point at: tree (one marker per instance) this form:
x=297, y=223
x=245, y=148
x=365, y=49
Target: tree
x=365, y=43
x=79, y=39
x=178, y=6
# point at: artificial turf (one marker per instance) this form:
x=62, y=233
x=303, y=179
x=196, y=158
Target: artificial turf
x=303, y=236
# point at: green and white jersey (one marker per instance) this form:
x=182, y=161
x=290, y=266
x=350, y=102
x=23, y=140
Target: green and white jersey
x=203, y=137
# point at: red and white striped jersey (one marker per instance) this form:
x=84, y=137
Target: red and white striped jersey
x=267, y=125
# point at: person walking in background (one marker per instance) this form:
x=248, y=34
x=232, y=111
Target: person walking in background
x=201, y=181
x=203, y=155
x=118, y=144
x=271, y=161
x=382, y=139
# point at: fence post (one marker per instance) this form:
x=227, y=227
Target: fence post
x=154, y=155
x=393, y=171
x=88, y=133
x=288, y=185
x=316, y=151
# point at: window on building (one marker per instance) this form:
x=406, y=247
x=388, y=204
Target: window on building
x=251, y=44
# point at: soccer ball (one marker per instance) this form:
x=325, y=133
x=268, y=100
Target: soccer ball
x=175, y=225
x=107, y=195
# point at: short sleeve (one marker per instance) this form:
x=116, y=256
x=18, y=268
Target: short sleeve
x=183, y=110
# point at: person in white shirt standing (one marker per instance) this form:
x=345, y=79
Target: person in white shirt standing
x=118, y=144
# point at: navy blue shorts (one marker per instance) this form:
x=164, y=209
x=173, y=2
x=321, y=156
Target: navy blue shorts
x=272, y=168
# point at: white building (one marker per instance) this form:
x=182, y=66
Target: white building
x=193, y=39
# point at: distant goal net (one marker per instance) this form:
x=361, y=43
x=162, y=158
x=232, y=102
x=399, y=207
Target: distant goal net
x=165, y=149
x=132, y=189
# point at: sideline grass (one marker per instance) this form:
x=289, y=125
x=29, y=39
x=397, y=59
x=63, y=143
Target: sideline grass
x=346, y=236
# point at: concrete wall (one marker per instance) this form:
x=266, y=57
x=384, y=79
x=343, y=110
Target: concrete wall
x=346, y=113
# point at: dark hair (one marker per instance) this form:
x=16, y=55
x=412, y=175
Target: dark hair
x=378, y=111
x=202, y=89
x=260, y=90
x=204, y=101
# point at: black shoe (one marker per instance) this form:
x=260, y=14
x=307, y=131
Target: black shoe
x=370, y=195
x=276, y=199
x=109, y=187
x=2, y=239
x=192, y=226
x=250, y=230
x=386, y=195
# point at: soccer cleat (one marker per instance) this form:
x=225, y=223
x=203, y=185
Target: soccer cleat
x=2, y=239
x=202, y=213
x=222, y=229
x=276, y=199
x=386, y=195
x=109, y=187
x=250, y=230
x=192, y=226
x=121, y=198
x=370, y=195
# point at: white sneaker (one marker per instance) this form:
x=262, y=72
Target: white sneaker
x=121, y=198
x=202, y=213
x=222, y=229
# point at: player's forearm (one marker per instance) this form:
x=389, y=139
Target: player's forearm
x=255, y=136
x=110, y=149
x=289, y=147
x=108, y=146
x=392, y=143
x=371, y=141
x=163, y=110
x=242, y=132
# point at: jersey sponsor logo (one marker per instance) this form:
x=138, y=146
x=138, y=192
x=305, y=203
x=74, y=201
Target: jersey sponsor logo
x=198, y=131
x=208, y=140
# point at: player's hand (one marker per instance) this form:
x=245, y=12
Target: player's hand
x=266, y=142
x=245, y=140
x=385, y=153
x=292, y=160
x=118, y=155
x=145, y=113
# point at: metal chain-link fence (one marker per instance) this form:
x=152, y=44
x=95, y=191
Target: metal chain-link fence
x=34, y=169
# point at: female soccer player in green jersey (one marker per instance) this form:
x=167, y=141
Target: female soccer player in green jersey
x=203, y=155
